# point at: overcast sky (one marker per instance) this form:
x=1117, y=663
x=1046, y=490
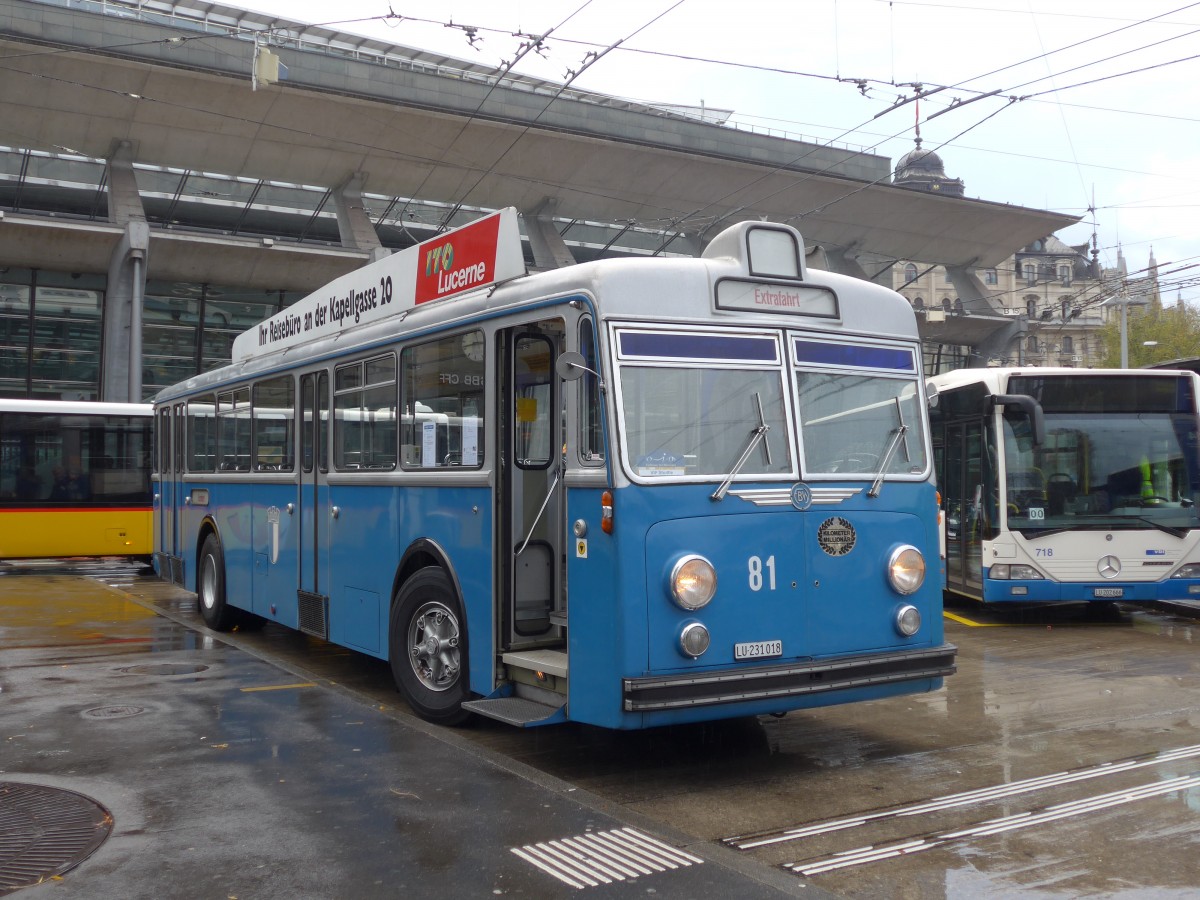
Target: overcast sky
x=1107, y=114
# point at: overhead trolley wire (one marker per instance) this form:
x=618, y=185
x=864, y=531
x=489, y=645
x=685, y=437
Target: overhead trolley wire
x=589, y=60
x=676, y=219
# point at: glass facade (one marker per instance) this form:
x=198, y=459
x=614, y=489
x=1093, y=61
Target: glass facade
x=51, y=324
x=50, y=327
x=189, y=328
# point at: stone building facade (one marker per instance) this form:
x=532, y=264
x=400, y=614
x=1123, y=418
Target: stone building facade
x=1059, y=293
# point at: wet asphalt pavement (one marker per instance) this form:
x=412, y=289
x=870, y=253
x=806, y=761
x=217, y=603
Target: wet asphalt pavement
x=226, y=776
x=1061, y=761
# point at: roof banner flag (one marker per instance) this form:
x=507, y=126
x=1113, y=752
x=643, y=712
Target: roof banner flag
x=466, y=259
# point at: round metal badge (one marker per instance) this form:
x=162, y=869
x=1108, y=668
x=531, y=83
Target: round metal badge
x=836, y=536
x=801, y=497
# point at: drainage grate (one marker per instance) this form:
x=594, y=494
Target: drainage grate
x=45, y=832
x=602, y=857
x=112, y=712
x=164, y=669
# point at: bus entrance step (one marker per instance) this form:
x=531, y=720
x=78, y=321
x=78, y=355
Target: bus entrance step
x=516, y=711
x=548, y=662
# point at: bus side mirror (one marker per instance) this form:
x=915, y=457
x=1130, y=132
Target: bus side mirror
x=570, y=367
x=1031, y=408
x=931, y=395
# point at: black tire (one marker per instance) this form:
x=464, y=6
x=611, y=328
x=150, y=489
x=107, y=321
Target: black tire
x=427, y=647
x=210, y=587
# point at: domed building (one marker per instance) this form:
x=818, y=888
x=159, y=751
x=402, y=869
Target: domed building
x=923, y=170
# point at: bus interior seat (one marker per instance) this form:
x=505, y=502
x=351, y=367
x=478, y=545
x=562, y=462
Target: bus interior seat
x=1060, y=490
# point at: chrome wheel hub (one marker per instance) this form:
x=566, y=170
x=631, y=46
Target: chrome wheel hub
x=433, y=639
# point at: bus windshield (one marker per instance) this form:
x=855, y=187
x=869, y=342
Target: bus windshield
x=699, y=421
x=850, y=422
x=702, y=419
x=1117, y=453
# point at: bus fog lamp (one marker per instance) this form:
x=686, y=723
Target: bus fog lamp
x=908, y=620
x=906, y=569
x=693, y=582
x=694, y=640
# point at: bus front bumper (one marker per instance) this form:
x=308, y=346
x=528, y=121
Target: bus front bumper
x=843, y=673
x=1047, y=591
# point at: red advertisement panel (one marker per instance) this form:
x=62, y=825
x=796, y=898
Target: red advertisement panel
x=459, y=261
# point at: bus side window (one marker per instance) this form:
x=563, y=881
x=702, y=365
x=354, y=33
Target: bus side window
x=591, y=431
x=274, y=424
x=442, y=402
x=364, y=425
x=202, y=434
x=532, y=400
x=233, y=430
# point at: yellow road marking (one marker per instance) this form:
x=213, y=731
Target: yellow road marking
x=279, y=687
x=963, y=621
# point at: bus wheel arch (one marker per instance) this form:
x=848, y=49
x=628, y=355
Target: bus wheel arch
x=427, y=646
x=210, y=583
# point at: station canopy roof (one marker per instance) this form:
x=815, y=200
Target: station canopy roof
x=431, y=139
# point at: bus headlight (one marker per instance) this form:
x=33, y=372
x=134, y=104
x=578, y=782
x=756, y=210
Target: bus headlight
x=1191, y=570
x=906, y=569
x=908, y=620
x=694, y=640
x=693, y=582
x=1018, y=572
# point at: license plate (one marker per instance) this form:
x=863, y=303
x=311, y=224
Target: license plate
x=1108, y=592
x=758, y=650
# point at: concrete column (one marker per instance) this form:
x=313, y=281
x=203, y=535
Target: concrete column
x=124, y=201
x=971, y=291
x=354, y=226
x=121, y=352
x=976, y=302
x=550, y=251
x=1001, y=343
x=844, y=262
x=121, y=378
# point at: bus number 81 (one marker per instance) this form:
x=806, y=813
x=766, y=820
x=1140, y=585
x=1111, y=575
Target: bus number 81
x=756, y=566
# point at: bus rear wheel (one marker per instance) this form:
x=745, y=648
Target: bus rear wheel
x=427, y=647
x=210, y=587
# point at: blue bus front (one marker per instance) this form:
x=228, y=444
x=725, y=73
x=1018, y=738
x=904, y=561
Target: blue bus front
x=775, y=542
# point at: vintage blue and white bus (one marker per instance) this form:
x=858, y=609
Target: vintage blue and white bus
x=630, y=493
x=1069, y=484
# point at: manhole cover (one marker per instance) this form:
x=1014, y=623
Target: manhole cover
x=45, y=832
x=165, y=669
x=113, y=712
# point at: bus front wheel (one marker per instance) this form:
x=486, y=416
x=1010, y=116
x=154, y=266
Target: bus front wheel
x=210, y=587
x=427, y=647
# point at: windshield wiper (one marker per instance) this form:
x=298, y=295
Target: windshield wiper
x=900, y=432
x=1110, y=525
x=1171, y=530
x=1033, y=533
x=756, y=435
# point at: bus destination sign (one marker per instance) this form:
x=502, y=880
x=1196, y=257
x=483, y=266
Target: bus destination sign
x=465, y=259
x=776, y=297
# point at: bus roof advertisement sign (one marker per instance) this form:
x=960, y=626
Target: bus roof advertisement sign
x=465, y=259
x=462, y=260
